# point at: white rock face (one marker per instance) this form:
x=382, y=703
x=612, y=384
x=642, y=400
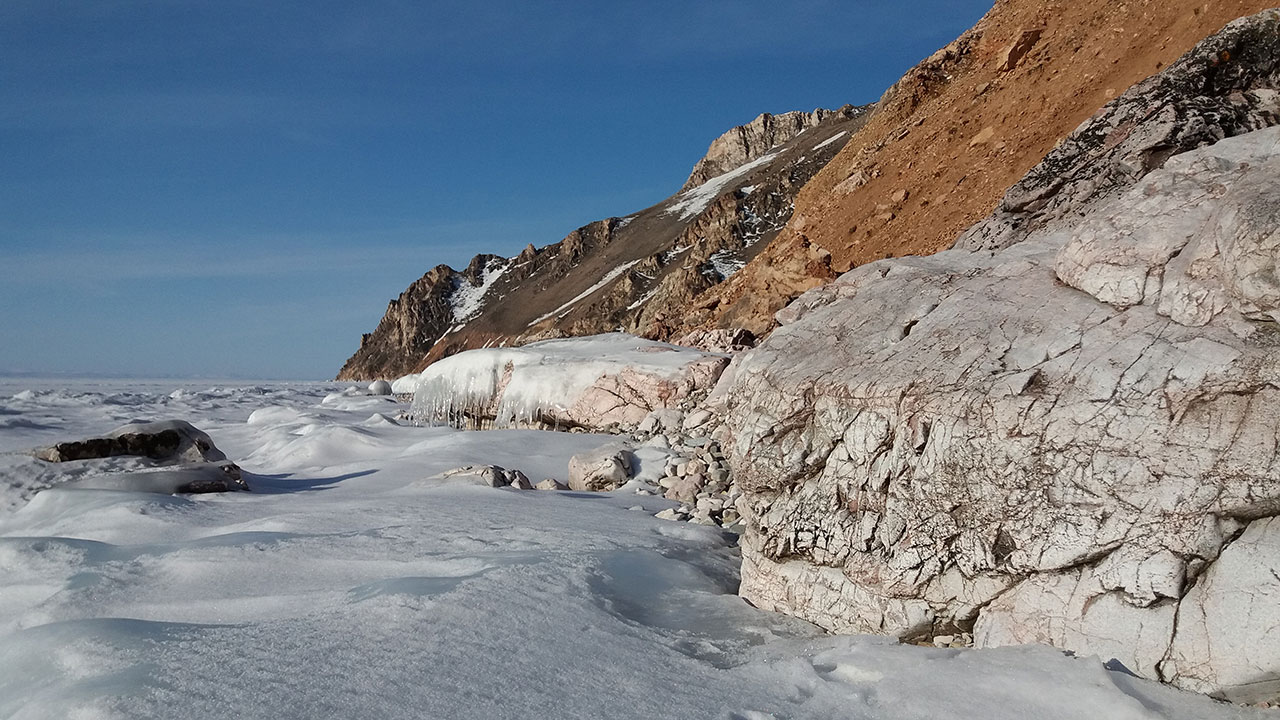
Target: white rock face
x=1054, y=441
x=1228, y=641
x=606, y=468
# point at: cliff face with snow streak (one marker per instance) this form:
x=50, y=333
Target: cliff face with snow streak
x=642, y=273
x=745, y=143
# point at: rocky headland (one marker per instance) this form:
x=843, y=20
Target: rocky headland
x=1016, y=378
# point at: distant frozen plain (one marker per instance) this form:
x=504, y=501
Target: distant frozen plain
x=349, y=585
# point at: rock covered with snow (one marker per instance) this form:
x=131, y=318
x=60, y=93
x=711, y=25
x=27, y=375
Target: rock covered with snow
x=594, y=382
x=492, y=476
x=379, y=387
x=163, y=441
x=166, y=456
x=1055, y=443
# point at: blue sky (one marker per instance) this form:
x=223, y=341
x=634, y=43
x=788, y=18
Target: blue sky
x=236, y=188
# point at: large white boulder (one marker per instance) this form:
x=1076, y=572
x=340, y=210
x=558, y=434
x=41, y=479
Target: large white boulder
x=1053, y=442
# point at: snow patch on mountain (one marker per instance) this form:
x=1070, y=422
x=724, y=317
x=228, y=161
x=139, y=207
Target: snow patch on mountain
x=608, y=278
x=468, y=299
x=693, y=201
x=830, y=140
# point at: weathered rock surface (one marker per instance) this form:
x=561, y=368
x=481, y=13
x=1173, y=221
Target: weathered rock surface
x=642, y=273
x=1225, y=86
x=967, y=123
x=606, y=468
x=1053, y=442
x=1226, y=641
x=745, y=143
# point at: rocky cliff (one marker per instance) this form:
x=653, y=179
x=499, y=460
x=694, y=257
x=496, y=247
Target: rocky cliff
x=1071, y=440
x=949, y=139
x=642, y=273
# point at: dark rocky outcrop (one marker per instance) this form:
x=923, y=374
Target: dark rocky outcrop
x=164, y=441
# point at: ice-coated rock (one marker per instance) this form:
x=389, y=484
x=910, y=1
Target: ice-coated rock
x=1053, y=441
x=198, y=477
x=605, y=468
x=379, y=387
x=592, y=382
x=173, y=456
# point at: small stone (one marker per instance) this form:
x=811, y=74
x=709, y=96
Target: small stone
x=696, y=419
x=551, y=484
x=943, y=640
x=668, y=514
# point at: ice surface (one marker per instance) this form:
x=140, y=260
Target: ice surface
x=694, y=200
x=348, y=586
x=522, y=384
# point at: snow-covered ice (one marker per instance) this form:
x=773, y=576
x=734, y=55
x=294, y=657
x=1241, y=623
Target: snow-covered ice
x=351, y=585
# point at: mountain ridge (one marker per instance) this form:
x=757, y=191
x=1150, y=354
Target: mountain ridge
x=640, y=272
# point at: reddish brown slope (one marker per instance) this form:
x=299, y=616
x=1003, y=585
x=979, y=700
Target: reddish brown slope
x=957, y=131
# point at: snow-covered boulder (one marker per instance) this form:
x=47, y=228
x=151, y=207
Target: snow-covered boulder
x=591, y=382
x=492, y=476
x=1057, y=442
x=379, y=387
x=165, y=456
x=163, y=441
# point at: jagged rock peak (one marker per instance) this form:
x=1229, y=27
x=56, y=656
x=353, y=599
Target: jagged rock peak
x=745, y=143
